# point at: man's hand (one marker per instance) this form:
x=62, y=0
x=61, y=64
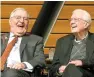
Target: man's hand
x=17, y=66
x=62, y=68
x=76, y=62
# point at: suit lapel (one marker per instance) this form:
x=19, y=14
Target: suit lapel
x=90, y=46
x=5, y=41
x=23, y=43
x=6, y=38
x=67, y=49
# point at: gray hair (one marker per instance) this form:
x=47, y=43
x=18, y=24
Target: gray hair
x=12, y=13
x=86, y=15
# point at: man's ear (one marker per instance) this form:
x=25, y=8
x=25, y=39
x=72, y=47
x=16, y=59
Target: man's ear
x=86, y=25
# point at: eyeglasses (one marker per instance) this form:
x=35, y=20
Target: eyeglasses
x=19, y=18
x=77, y=19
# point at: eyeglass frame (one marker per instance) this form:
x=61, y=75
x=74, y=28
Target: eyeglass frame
x=19, y=17
x=77, y=19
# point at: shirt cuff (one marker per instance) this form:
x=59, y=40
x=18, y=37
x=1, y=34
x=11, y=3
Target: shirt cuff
x=28, y=65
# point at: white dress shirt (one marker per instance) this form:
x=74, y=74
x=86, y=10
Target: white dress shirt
x=14, y=56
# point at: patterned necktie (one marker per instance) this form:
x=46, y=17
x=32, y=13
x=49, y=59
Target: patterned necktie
x=6, y=52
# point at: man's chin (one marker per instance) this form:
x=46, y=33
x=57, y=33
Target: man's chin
x=74, y=31
x=20, y=33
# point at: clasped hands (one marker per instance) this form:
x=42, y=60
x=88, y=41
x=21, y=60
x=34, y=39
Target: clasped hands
x=76, y=62
x=17, y=66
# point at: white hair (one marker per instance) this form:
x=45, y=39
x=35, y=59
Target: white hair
x=86, y=15
x=12, y=13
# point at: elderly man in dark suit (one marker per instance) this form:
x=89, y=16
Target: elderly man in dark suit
x=74, y=55
x=27, y=52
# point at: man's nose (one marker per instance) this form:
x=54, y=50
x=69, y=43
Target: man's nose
x=21, y=19
x=72, y=21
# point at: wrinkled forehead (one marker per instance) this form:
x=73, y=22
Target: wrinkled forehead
x=77, y=14
x=20, y=12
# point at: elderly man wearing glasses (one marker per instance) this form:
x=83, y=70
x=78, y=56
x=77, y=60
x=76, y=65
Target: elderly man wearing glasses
x=74, y=55
x=26, y=53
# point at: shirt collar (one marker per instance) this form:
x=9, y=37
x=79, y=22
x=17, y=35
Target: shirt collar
x=80, y=41
x=11, y=34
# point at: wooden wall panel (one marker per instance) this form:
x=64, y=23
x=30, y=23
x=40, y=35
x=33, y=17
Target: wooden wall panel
x=33, y=10
x=61, y=26
x=67, y=11
x=79, y=2
x=22, y=2
x=41, y=2
x=51, y=42
x=5, y=25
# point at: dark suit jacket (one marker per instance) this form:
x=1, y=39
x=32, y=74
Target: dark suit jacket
x=63, y=50
x=31, y=49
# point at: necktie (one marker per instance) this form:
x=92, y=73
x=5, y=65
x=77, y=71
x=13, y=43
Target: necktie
x=7, y=50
